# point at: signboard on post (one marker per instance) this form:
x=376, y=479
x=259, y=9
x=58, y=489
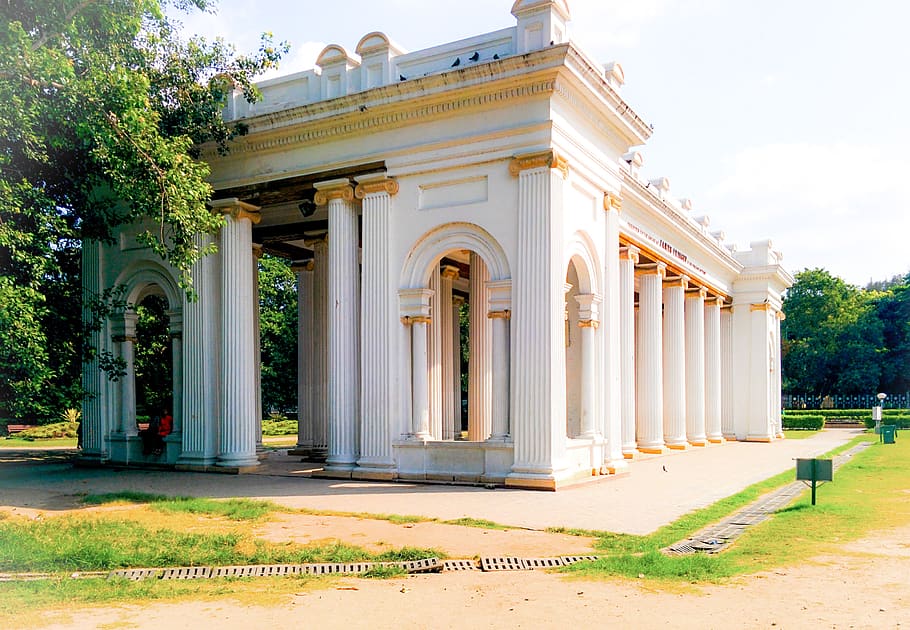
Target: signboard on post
x=813, y=471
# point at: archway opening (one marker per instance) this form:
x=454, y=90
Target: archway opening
x=573, y=358
x=154, y=373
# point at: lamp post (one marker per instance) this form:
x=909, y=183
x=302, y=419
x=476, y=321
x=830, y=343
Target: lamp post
x=877, y=411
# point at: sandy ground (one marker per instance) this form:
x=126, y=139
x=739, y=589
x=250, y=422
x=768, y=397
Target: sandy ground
x=864, y=587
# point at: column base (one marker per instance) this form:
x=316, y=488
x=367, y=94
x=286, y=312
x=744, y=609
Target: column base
x=617, y=466
x=628, y=454
x=698, y=442
x=238, y=461
x=714, y=440
x=758, y=438
x=678, y=447
x=659, y=449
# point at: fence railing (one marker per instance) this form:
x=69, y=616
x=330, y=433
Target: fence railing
x=843, y=401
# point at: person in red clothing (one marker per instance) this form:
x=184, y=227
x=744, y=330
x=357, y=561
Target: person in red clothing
x=159, y=428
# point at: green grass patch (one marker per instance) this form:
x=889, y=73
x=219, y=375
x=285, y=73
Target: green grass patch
x=17, y=442
x=477, y=522
x=234, y=509
x=848, y=508
x=798, y=434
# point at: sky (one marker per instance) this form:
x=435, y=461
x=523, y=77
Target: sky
x=780, y=119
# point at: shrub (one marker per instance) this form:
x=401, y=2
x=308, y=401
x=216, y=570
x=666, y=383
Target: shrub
x=900, y=421
x=803, y=421
x=49, y=431
x=279, y=427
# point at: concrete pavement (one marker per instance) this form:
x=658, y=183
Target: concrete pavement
x=658, y=489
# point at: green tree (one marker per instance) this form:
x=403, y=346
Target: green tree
x=278, y=333
x=893, y=310
x=103, y=109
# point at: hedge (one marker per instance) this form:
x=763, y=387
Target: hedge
x=901, y=421
x=804, y=421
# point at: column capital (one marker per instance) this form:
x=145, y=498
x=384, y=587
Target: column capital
x=651, y=269
x=303, y=265
x=457, y=300
x=257, y=251
x=407, y=320
x=236, y=208
x=612, y=201
x=542, y=159
x=716, y=301
x=629, y=253
x=588, y=311
x=781, y=316
x=374, y=183
x=761, y=306
x=588, y=323
x=697, y=292
x=333, y=189
x=499, y=315
x=414, y=306
x=677, y=281
x=449, y=272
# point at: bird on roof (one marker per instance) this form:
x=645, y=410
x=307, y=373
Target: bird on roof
x=496, y=56
x=475, y=56
x=401, y=77
x=457, y=62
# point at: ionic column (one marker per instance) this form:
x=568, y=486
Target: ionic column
x=320, y=400
x=479, y=353
x=777, y=377
x=175, y=329
x=695, y=366
x=649, y=402
x=727, y=425
x=124, y=342
x=588, y=322
x=305, y=353
x=92, y=425
x=238, y=399
x=434, y=355
x=539, y=388
x=448, y=275
x=377, y=399
x=257, y=349
x=628, y=258
x=674, y=356
x=457, y=302
x=344, y=324
x=610, y=343
x=415, y=314
x=500, y=300
x=713, y=395
x=201, y=370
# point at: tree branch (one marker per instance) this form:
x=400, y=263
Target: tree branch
x=41, y=41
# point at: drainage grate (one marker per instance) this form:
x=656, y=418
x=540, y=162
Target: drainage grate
x=505, y=563
x=134, y=574
x=459, y=565
x=544, y=563
x=420, y=566
x=186, y=573
x=336, y=567
x=240, y=571
x=573, y=559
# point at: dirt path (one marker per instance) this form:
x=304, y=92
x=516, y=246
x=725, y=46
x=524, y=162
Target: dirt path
x=863, y=587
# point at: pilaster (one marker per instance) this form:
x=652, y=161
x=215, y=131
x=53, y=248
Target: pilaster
x=538, y=395
x=500, y=314
x=415, y=315
x=344, y=324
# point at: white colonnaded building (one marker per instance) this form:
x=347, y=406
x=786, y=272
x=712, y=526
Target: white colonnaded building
x=496, y=179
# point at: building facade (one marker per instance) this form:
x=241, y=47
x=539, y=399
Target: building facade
x=489, y=289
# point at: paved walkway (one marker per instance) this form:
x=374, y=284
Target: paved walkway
x=658, y=490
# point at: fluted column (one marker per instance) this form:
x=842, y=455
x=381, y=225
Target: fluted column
x=434, y=355
x=457, y=303
x=93, y=426
x=674, y=351
x=124, y=338
x=257, y=349
x=609, y=342
x=238, y=429
x=649, y=401
x=588, y=322
x=539, y=389
x=202, y=365
x=695, y=367
x=415, y=314
x=305, y=352
x=448, y=275
x=377, y=398
x=500, y=301
x=175, y=330
x=344, y=324
x=628, y=258
x=777, y=380
x=714, y=432
x=479, y=353
x=320, y=399
x=727, y=425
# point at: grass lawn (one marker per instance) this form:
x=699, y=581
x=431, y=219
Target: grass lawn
x=13, y=442
x=867, y=494
x=798, y=434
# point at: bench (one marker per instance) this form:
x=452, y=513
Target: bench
x=12, y=429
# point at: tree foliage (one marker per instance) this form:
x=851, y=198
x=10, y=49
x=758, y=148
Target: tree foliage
x=838, y=338
x=103, y=108
x=278, y=333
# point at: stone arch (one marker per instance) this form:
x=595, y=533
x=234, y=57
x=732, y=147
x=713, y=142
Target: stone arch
x=435, y=243
x=580, y=250
x=147, y=277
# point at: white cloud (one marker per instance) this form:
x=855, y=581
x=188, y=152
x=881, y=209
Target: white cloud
x=839, y=206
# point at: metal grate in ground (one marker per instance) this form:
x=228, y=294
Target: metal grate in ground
x=720, y=536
